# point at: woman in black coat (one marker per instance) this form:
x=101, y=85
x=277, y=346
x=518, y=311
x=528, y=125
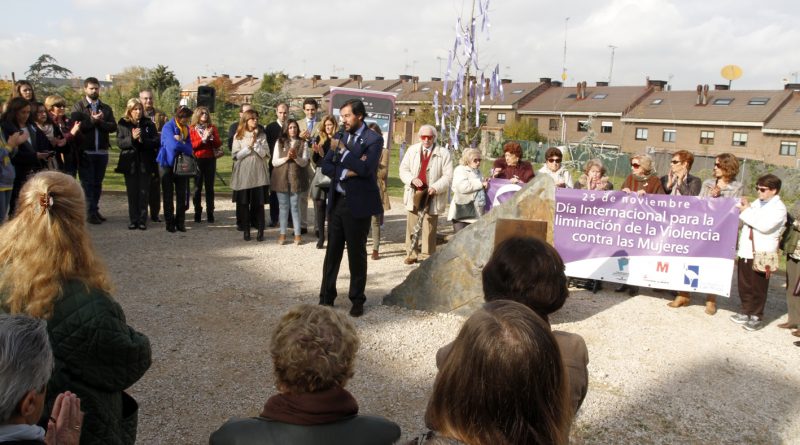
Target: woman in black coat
x=138, y=141
x=26, y=160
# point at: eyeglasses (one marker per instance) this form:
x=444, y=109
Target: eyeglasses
x=762, y=189
x=554, y=160
x=477, y=160
x=60, y=105
x=717, y=165
x=635, y=165
x=675, y=162
x=426, y=137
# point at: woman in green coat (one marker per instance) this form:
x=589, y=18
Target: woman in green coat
x=48, y=269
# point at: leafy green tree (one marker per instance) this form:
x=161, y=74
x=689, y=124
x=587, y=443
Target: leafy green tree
x=522, y=130
x=168, y=100
x=46, y=66
x=160, y=78
x=270, y=93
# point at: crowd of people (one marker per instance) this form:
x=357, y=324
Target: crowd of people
x=67, y=354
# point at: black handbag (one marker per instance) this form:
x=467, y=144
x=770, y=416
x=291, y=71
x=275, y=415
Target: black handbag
x=466, y=211
x=185, y=166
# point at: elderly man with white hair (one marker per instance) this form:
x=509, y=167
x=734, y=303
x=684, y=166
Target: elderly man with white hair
x=26, y=362
x=426, y=169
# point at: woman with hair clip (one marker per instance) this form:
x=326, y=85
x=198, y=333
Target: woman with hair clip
x=206, y=145
x=320, y=194
x=250, y=173
x=503, y=383
x=15, y=126
x=137, y=138
x=174, y=140
x=289, y=177
x=97, y=355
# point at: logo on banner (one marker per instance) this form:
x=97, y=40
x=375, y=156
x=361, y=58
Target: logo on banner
x=662, y=267
x=622, y=263
x=691, y=275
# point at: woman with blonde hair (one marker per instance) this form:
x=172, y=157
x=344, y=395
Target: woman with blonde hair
x=250, y=173
x=469, y=191
x=594, y=177
x=643, y=178
x=50, y=270
x=319, y=193
x=502, y=383
x=313, y=351
x=57, y=106
x=138, y=141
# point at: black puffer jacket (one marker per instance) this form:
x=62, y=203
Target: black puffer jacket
x=354, y=430
x=97, y=356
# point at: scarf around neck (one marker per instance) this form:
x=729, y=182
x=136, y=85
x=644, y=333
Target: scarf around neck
x=315, y=408
x=184, y=131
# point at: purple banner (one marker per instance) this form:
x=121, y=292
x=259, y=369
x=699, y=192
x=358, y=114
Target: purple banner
x=651, y=240
x=500, y=191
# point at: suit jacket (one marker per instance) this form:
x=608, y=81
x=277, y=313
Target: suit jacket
x=363, y=196
x=314, y=130
x=88, y=126
x=273, y=131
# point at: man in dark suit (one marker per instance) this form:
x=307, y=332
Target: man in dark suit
x=273, y=133
x=352, y=165
x=97, y=122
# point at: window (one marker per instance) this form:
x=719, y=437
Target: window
x=583, y=125
x=641, y=134
x=707, y=137
x=656, y=101
x=501, y=118
x=600, y=96
x=788, y=148
x=669, y=135
x=553, y=125
x=606, y=127
x=758, y=101
x=411, y=111
x=739, y=139
x=723, y=101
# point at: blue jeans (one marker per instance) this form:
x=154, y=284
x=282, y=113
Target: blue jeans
x=285, y=201
x=92, y=170
x=5, y=199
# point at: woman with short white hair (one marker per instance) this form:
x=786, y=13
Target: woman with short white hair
x=469, y=191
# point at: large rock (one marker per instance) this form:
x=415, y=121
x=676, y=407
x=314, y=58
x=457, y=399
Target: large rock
x=450, y=280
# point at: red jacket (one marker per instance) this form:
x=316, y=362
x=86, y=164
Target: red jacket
x=204, y=150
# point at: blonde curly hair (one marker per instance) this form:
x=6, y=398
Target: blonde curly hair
x=313, y=349
x=46, y=244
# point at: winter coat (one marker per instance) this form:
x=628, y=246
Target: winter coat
x=439, y=175
x=97, y=356
x=136, y=156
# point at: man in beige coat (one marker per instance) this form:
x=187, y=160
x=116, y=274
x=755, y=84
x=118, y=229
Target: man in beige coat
x=426, y=166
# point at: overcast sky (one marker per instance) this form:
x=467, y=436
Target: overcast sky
x=687, y=40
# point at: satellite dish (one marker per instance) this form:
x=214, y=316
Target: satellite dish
x=731, y=72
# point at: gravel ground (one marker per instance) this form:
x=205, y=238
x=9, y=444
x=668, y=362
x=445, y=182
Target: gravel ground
x=208, y=301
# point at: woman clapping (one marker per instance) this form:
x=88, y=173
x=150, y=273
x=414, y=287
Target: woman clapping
x=137, y=138
x=289, y=177
x=250, y=174
x=206, y=145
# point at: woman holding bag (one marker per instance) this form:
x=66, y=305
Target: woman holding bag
x=174, y=141
x=469, y=195
x=137, y=138
x=763, y=221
